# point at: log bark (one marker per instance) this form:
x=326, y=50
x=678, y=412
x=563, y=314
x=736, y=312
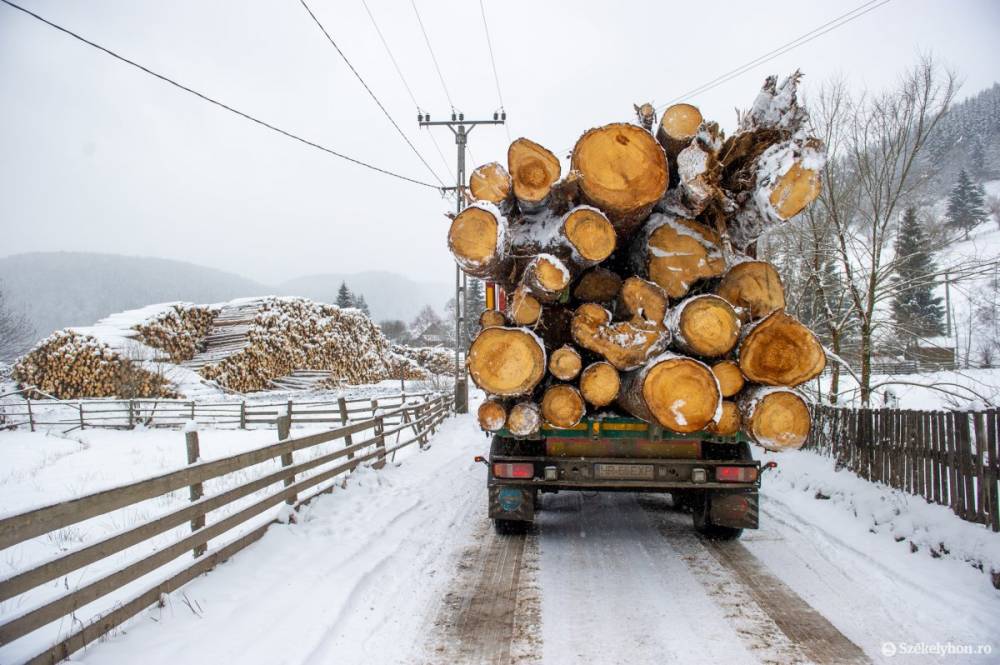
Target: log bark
x=625, y=344
x=675, y=253
x=565, y=363
x=492, y=415
x=731, y=380
x=491, y=182
x=598, y=285
x=730, y=422
x=780, y=351
x=698, y=171
x=775, y=418
x=704, y=325
x=600, y=383
x=581, y=238
x=491, y=318
x=533, y=170
x=524, y=419
x=506, y=361
x=563, y=406
x=754, y=288
x=623, y=172
x=524, y=308
x=679, y=393
x=480, y=242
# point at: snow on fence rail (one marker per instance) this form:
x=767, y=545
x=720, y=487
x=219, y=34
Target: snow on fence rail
x=950, y=458
x=317, y=471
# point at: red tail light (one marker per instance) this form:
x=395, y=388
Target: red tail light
x=735, y=474
x=513, y=469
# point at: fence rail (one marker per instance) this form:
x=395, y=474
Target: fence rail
x=416, y=419
x=948, y=458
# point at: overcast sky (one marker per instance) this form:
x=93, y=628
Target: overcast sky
x=97, y=156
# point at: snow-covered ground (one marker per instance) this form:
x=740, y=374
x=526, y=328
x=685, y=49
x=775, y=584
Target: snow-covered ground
x=617, y=578
x=960, y=389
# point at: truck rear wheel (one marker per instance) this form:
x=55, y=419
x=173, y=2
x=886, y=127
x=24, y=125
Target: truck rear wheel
x=707, y=529
x=510, y=527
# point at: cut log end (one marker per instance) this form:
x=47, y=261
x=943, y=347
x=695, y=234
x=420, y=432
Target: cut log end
x=490, y=182
x=794, y=190
x=546, y=276
x=533, y=170
x=474, y=239
x=645, y=301
x=678, y=125
x=590, y=233
x=625, y=344
x=706, y=326
x=525, y=309
x=524, y=419
x=680, y=252
x=730, y=377
x=600, y=383
x=729, y=423
x=563, y=406
x=598, y=285
x=681, y=394
x=777, y=419
x=506, y=361
x=565, y=363
x=492, y=415
x=780, y=351
x=754, y=287
x=491, y=318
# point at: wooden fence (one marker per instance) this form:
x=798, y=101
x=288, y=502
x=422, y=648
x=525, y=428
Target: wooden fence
x=127, y=414
x=417, y=420
x=950, y=458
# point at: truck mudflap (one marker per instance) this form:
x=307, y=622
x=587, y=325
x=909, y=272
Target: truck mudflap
x=738, y=509
x=512, y=503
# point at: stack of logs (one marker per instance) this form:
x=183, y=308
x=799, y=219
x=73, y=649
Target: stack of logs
x=180, y=330
x=632, y=283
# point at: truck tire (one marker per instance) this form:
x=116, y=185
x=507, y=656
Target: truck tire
x=510, y=527
x=699, y=514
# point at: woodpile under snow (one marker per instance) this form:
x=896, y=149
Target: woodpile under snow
x=180, y=330
x=632, y=282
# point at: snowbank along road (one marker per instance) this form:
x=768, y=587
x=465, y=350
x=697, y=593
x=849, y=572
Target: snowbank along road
x=401, y=566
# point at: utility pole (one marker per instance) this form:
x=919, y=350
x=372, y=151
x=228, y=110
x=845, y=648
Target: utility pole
x=461, y=128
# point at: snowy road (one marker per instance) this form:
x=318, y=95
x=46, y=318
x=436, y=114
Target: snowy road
x=401, y=567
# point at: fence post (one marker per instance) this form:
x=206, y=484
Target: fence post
x=379, y=442
x=79, y=405
x=243, y=414
x=192, y=410
x=284, y=430
x=348, y=441
x=131, y=414
x=289, y=413
x=979, y=460
x=31, y=417
x=193, y=453
x=993, y=465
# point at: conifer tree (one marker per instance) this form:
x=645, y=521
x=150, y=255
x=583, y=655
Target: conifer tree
x=916, y=311
x=966, y=206
x=344, y=296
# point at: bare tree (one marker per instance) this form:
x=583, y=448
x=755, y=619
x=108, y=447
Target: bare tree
x=16, y=331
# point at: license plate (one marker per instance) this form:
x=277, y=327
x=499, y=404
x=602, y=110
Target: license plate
x=624, y=471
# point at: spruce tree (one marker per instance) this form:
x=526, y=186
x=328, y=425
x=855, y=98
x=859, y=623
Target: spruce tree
x=344, y=296
x=915, y=309
x=966, y=207
x=475, y=303
x=360, y=303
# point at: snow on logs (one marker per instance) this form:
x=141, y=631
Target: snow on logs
x=492, y=415
x=632, y=283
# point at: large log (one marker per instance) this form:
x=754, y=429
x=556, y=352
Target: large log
x=678, y=126
x=704, y=325
x=563, y=406
x=780, y=351
x=623, y=172
x=492, y=415
x=754, y=288
x=600, y=383
x=625, y=344
x=533, y=170
x=524, y=308
x=775, y=418
x=565, y=363
x=598, y=285
x=480, y=241
x=506, y=361
x=545, y=277
x=675, y=253
x=524, y=419
x=679, y=393
x=491, y=182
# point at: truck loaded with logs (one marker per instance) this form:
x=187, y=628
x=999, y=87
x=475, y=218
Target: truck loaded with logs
x=638, y=343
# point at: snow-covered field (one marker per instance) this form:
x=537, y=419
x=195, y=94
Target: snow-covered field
x=364, y=574
x=960, y=389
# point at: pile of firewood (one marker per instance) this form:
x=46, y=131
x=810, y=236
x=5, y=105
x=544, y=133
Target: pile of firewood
x=290, y=334
x=69, y=365
x=180, y=330
x=632, y=282
x=434, y=359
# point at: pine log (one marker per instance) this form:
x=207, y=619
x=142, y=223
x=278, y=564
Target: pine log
x=491, y=182
x=524, y=419
x=491, y=318
x=600, y=383
x=565, y=363
x=775, y=418
x=506, y=361
x=563, y=406
x=754, y=288
x=545, y=277
x=780, y=351
x=598, y=285
x=533, y=170
x=590, y=233
x=625, y=344
x=675, y=253
x=679, y=393
x=624, y=173
x=729, y=423
x=678, y=126
x=581, y=238
x=492, y=415
x=730, y=377
x=704, y=325
x=480, y=242
x=644, y=302
x=524, y=308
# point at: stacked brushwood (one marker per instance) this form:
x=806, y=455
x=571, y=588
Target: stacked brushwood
x=296, y=333
x=69, y=365
x=632, y=283
x=180, y=330
x=434, y=359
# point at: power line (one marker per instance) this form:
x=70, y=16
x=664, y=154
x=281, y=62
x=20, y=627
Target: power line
x=210, y=100
x=427, y=40
x=496, y=77
x=818, y=31
x=372, y=94
x=406, y=85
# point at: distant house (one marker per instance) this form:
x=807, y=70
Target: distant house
x=936, y=352
x=434, y=334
